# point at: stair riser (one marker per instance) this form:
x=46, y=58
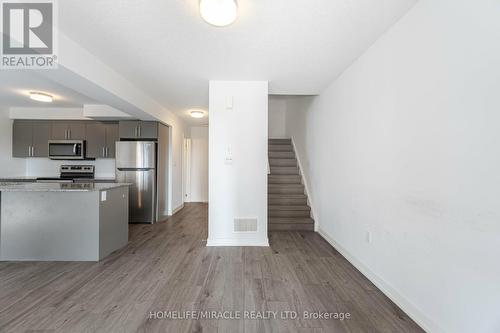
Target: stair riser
x=280, y=141
x=280, y=148
x=283, y=162
x=289, y=213
x=284, y=171
x=287, y=201
x=290, y=227
x=283, y=179
x=281, y=154
x=285, y=191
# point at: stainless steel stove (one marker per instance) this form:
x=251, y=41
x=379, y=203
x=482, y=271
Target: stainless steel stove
x=70, y=174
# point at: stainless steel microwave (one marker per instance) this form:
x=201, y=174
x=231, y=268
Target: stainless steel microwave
x=67, y=149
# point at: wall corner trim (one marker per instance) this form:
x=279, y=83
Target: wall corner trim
x=413, y=312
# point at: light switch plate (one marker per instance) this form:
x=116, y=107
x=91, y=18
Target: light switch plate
x=104, y=195
x=229, y=102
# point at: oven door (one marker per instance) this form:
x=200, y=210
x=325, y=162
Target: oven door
x=67, y=150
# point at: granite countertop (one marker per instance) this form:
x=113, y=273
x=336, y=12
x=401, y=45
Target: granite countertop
x=60, y=187
x=20, y=178
x=33, y=179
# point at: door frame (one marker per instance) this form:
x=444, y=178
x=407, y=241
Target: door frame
x=186, y=174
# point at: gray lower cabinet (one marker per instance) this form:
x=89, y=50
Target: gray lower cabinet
x=131, y=129
x=68, y=130
x=101, y=138
x=30, y=138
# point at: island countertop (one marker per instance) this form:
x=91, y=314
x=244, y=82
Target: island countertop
x=60, y=187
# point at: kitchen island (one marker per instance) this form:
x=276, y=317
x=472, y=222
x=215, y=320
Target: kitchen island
x=62, y=221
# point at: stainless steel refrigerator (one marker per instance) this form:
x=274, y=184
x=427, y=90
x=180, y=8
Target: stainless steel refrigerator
x=136, y=163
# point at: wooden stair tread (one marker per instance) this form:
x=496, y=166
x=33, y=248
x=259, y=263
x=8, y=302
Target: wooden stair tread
x=290, y=220
x=289, y=208
x=290, y=227
x=287, y=201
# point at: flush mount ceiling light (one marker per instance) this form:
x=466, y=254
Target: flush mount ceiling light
x=197, y=114
x=41, y=97
x=218, y=12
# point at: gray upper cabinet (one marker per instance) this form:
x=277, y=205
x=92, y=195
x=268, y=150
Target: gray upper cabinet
x=41, y=137
x=111, y=138
x=131, y=129
x=101, y=138
x=68, y=130
x=59, y=130
x=77, y=130
x=96, y=140
x=148, y=130
x=22, y=138
x=30, y=138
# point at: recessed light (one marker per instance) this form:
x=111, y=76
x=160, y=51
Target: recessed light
x=41, y=97
x=218, y=12
x=197, y=114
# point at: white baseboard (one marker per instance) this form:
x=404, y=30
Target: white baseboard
x=414, y=313
x=306, y=187
x=178, y=208
x=236, y=242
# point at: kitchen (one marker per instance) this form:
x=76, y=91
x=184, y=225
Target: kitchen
x=109, y=173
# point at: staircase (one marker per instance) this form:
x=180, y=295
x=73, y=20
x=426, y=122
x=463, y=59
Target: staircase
x=287, y=202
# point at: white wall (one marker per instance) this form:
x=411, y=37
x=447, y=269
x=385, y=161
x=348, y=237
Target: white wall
x=175, y=194
x=199, y=164
x=405, y=145
x=238, y=189
x=277, y=113
x=9, y=166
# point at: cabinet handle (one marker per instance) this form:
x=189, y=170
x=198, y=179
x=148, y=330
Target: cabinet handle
x=103, y=152
x=29, y=151
x=32, y=151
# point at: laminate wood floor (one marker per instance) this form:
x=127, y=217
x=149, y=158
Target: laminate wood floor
x=167, y=267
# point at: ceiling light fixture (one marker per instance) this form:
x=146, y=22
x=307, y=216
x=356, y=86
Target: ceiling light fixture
x=41, y=97
x=197, y=114
x=218, y=12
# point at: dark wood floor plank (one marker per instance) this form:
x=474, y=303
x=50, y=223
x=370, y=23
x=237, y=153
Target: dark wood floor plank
x=167, y=267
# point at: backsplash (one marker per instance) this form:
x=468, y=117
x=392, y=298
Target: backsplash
x=43, y=167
